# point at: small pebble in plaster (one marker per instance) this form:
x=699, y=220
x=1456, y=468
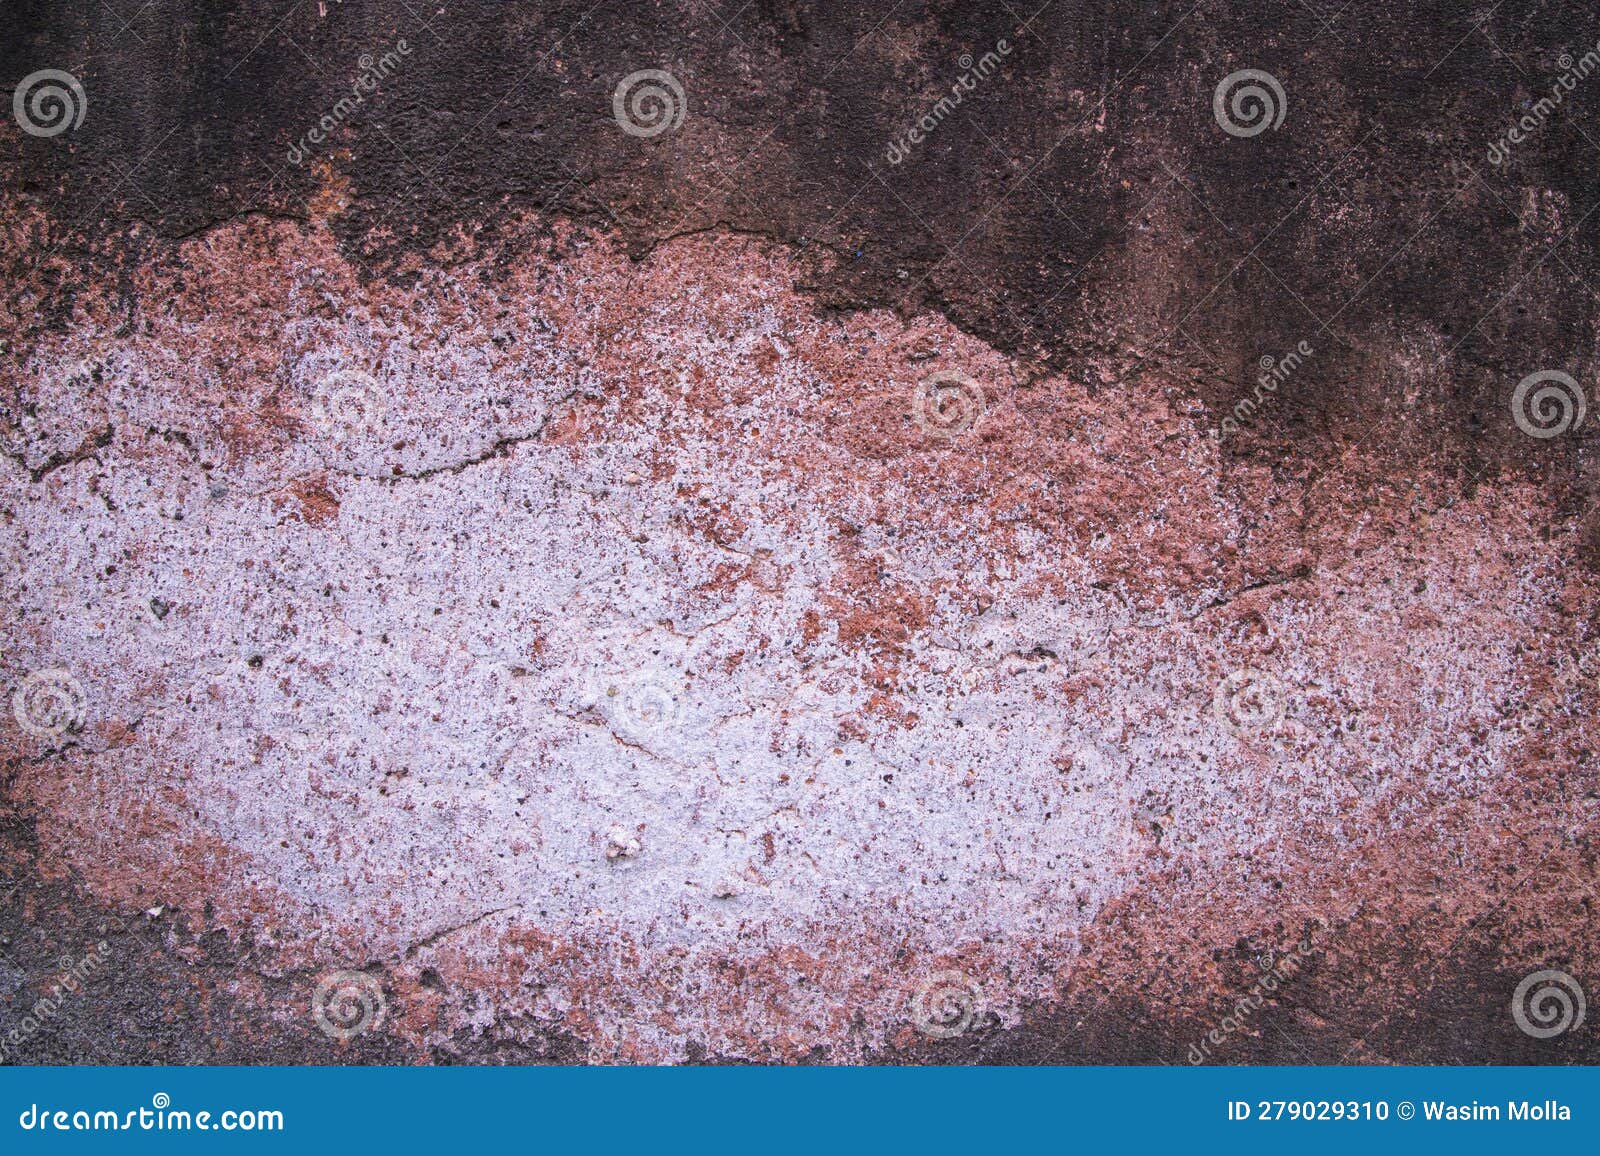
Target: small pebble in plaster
x=1036, y=661
x=621, y=844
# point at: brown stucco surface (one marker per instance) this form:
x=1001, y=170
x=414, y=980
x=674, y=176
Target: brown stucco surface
x=733, y=595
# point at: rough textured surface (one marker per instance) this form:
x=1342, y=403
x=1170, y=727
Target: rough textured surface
x=726, y=595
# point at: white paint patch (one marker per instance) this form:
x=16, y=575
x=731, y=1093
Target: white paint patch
x=569, y=682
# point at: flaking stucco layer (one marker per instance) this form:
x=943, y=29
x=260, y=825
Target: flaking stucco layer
x=630, y=659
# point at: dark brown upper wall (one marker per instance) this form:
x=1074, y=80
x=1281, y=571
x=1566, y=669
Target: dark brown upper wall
x=1081, y=206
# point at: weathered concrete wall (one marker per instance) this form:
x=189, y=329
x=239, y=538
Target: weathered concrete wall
x=503, y=582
